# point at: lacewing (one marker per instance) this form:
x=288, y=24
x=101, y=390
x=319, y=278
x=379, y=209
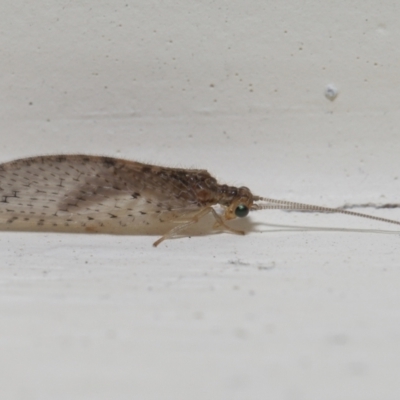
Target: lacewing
x=82, y=193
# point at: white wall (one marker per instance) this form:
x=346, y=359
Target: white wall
x=237, y=88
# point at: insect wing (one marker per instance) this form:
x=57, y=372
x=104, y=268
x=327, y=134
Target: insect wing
x=84, y=193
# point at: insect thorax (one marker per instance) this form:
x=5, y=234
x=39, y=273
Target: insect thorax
x=231, y=194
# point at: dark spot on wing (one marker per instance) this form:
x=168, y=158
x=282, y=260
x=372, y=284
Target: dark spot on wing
x=109, y=162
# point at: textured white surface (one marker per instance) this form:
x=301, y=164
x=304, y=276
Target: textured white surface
x=237, y=88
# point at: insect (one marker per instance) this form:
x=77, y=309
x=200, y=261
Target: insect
x=82, y=193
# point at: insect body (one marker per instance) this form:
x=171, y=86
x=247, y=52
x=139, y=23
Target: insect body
x=81, y=193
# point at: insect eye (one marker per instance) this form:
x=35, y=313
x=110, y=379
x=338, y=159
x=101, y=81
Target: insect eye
x=241, y=210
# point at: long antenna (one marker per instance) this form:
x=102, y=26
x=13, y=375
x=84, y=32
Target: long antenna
x=273, y=204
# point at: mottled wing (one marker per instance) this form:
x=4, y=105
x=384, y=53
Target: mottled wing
x=90, y=194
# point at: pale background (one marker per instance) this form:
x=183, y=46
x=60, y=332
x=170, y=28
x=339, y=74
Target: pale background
x=237, y=88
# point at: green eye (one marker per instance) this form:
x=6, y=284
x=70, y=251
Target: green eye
x=241, y=211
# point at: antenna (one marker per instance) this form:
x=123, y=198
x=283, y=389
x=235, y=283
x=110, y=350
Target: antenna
x=273, y=204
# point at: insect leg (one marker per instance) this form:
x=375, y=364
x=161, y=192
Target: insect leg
x=220, y=222
x=170, y=234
